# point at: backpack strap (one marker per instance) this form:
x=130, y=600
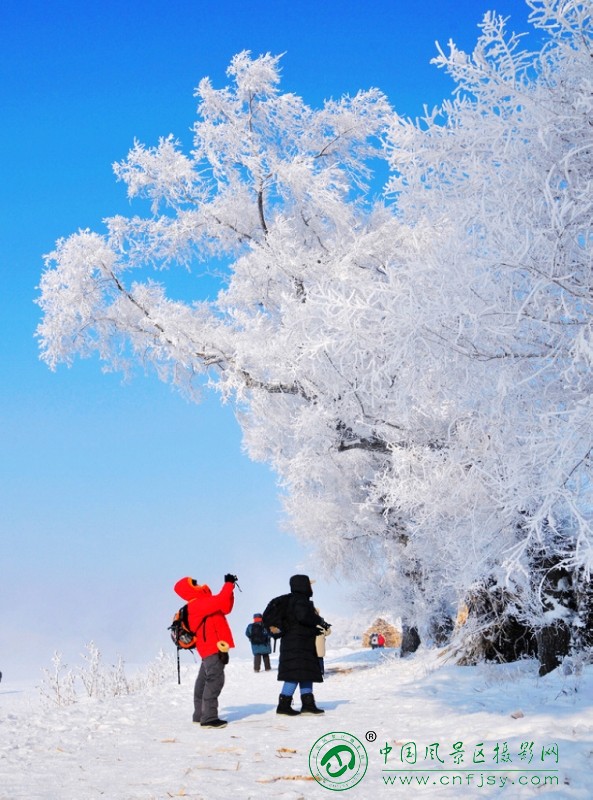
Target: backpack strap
x=202, y=625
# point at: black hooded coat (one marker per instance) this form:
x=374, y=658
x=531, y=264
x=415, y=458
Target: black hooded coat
x=298, y=660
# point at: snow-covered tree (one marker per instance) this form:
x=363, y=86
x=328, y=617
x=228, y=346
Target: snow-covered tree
x=504, y=173
x=415, y=368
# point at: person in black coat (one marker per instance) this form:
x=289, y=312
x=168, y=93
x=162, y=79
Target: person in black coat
x=298, y=663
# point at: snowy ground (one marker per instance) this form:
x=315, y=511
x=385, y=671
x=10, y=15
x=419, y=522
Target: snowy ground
x=145, y=747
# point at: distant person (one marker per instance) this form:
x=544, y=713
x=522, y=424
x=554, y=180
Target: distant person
x=259, y=636
x=380, y=640
x=374, y=640
x=298, y=663
x=207, y=618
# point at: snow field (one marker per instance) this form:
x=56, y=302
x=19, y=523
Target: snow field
x=144, y=746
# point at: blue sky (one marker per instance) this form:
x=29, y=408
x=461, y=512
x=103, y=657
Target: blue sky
x=109, y=491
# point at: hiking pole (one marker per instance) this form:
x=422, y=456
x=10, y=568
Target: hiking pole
x=178, y=669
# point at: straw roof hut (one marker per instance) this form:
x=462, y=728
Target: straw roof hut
x=393, y=636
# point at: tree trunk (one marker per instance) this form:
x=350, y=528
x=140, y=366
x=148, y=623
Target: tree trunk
x=557, y=585
x=492, y=631
x=440, y=628
x=553, y=643
x=583, y=631
x=410, y=640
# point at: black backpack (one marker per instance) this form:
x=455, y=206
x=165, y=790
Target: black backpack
x=259, y=634
x=275, y=615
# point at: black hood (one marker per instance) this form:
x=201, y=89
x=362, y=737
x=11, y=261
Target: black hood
x=301, y=584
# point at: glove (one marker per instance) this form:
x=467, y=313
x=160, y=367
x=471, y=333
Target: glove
x=228, y=578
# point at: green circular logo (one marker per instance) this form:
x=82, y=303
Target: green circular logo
x=338, y=761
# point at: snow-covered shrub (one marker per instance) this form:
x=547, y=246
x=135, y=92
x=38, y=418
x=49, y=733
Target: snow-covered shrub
x=162, y=669
x=92, y=674
x=64, y=686
x=117, y=681
x=58, y=684
x=101, y=681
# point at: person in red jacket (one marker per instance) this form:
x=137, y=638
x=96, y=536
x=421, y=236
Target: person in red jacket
x=207, y=619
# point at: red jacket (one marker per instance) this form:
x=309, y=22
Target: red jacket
x=206, y=614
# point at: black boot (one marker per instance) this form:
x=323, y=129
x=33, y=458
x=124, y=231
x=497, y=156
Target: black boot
x=285, y=706
x=309, y=707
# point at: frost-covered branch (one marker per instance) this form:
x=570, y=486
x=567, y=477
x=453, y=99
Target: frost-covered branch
x=416, y=369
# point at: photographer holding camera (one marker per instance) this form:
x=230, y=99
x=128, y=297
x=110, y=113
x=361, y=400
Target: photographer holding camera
x=207, y=619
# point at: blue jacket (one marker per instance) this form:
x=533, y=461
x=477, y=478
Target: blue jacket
x=259, y=649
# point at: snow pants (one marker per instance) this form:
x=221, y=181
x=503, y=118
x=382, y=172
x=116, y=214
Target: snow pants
x=207, y=688
x=257, y=659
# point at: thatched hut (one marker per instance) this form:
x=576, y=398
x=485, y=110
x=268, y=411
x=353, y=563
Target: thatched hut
x=393, y=636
